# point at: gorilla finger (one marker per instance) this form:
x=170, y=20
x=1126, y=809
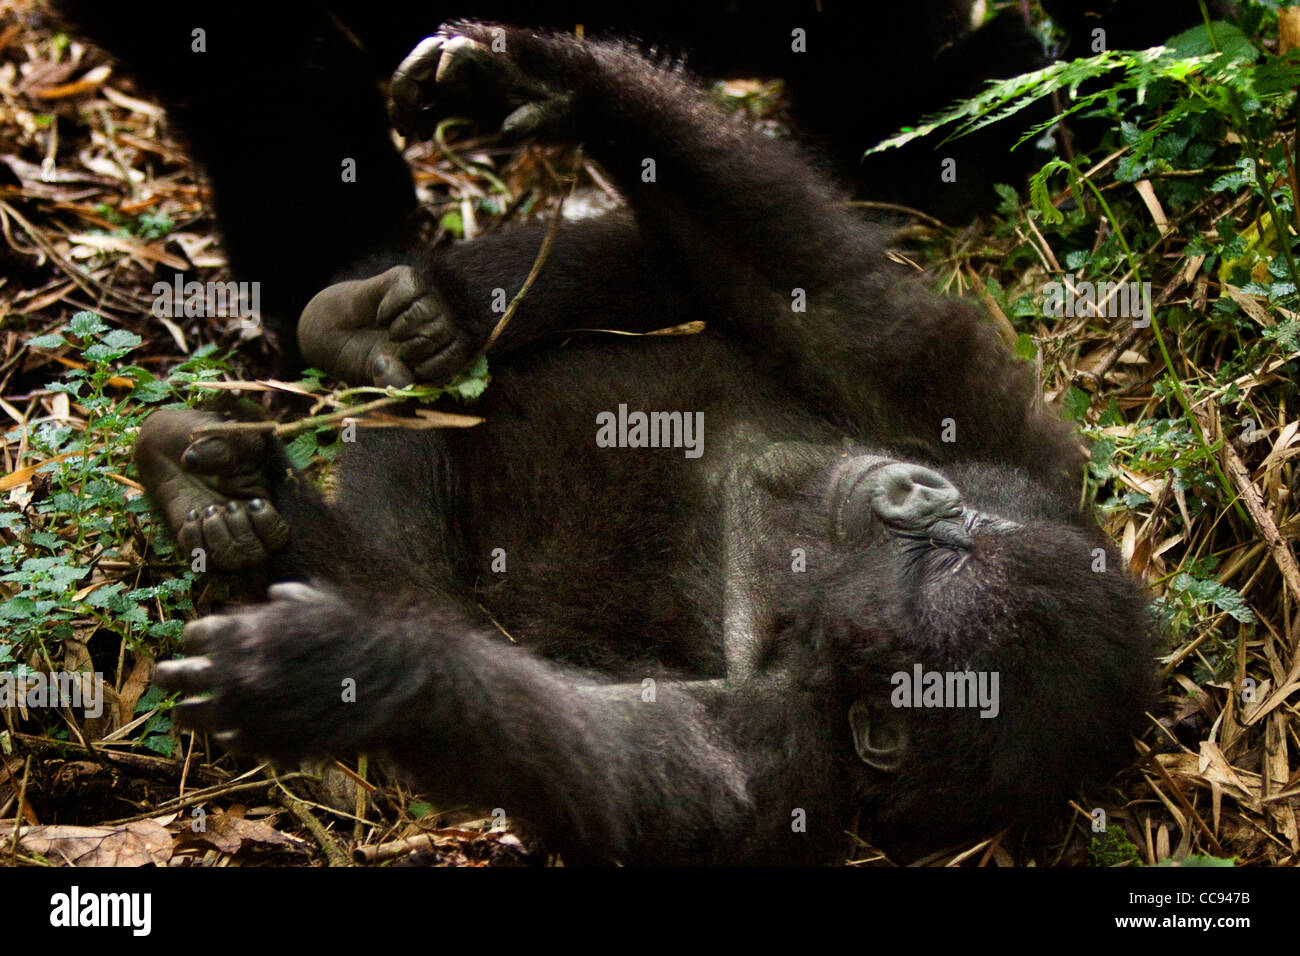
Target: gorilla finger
x=406, y=91
x=246, y=545
x=202, y=714
x=388, y=371
x=426, y=312
x=221, y=545
x=416, y=318
x=532, y=119
x=338, y=308
x=444, y=366
x=420, y=349
x=267, y=523
x=403, y=289
x=209, y=633
x=189, y=535
x=462, y=61
x=297, y=591
x=418, y=66
x=189, y=675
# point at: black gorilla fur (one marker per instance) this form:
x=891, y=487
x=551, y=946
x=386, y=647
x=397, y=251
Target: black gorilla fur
x=284, y=91
x=769, y=726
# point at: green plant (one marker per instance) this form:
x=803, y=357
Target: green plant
x=66, y=553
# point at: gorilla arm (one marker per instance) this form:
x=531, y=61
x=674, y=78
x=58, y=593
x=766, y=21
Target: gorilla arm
x=758, y=243
x=633, y=772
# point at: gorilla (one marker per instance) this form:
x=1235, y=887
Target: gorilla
x=716, y=598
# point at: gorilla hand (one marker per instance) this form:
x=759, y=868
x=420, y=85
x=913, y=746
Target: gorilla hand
x=308, y=672
x=474, y=69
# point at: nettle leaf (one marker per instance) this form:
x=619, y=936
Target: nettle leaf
x=121, y=339
x=86, y=324
x=302, y=449
x=159, y=744
x=1209, y=591
x=17, y=609
x=472, y=382
x=51, y=341
x=1286, y=334
x=1076, y=402
x=1240, y=178
x=150, y=392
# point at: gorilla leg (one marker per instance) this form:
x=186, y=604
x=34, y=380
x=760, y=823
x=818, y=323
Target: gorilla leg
x=474, y=719
x=424, y=322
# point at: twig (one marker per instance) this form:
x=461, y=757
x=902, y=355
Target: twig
x=542, y=255
x=897, y=207
x=333, y=852
x=22, y=805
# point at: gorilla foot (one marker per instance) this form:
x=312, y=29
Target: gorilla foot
x=211, y=490
x=385, y=330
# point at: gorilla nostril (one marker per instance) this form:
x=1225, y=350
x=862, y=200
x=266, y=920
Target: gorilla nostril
x=896, y=489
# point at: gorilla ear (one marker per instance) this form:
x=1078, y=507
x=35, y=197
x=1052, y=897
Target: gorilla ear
x=879, y=736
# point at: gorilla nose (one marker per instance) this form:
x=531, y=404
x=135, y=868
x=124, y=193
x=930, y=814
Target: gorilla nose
x=912, y=496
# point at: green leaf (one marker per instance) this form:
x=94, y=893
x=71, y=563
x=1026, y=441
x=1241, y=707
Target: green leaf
x=302, y=449
x=1076, y=402
x=472, y=382
x=1210, y=591
x=121, y=339
x=86, y=324
x=1232, y=43
x=1040, y=196
x=452, y=222
x=51, y=341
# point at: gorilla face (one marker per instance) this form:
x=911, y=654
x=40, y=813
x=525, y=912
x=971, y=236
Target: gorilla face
x=983, y=584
